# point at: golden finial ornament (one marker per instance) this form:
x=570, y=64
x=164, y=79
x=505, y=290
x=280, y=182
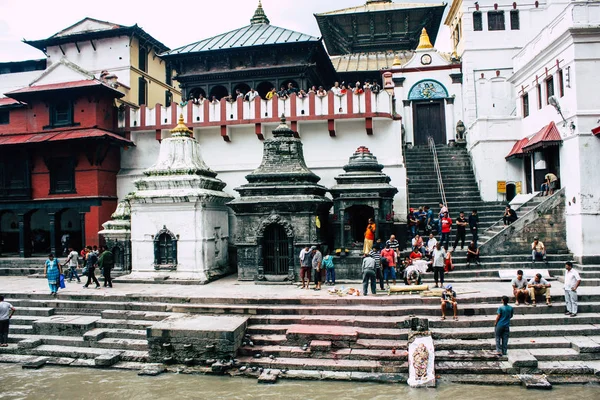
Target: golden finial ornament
x=397, y=61
x=424, y=42
x=181, y=130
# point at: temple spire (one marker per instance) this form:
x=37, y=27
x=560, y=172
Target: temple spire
x=259, y=16
x=424, y=42
x=181, y=130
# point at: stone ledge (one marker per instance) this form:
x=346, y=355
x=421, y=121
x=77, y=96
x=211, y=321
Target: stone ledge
x=522, y=359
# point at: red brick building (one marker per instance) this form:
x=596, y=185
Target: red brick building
x=59, y=159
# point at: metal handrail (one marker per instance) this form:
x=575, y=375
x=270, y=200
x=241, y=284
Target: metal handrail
x=438, y=172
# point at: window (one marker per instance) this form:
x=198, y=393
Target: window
x=495, y=20
x=142, y=91
x=477, y=21
x=169, y=75
x=549, y=89
x=539, y=95
x=561, y=83
x=168, y=98
x=143, y=59
x=62, y=175
x=525, y=104
x=514, y=20
x=61, y=114
x=14, y=176
x=165, y=249
x=4, y=117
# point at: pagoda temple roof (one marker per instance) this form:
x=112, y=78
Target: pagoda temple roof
x=375, y=61
x=247, y=36
x=379, y=26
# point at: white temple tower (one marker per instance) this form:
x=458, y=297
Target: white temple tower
x=179, y=221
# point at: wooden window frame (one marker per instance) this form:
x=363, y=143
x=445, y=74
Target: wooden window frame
x=477, y=21
x=525, y=105
x=4, y=117
x=561, y=83
x=491, y=20
x=143, y=59
x=515, y=22
x=549, y=83
x=55, y=184
x=539, y=95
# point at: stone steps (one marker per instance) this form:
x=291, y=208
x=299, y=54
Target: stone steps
x=338, y=354
x=324, y=364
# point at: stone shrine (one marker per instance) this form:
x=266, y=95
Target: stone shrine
x=363, y=191
x=179, y=221
x=117, y=233
x=279, y=211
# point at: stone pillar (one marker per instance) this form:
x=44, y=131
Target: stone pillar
x=377, y=222
x=52, y=229
x=24, y=239
x=342, y=232
x=408, y=122
x=450, y=119
x=82, y=220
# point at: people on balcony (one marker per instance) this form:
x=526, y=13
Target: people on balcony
x=251, y=95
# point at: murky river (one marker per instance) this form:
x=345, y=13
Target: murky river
x=75, y=383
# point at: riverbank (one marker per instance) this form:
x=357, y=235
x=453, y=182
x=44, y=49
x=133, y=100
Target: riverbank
x=84, y=383
x=310, y=334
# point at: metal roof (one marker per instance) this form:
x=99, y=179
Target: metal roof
x=247, y=36
x=55, y=136
x=374, y=61
x=380, y=6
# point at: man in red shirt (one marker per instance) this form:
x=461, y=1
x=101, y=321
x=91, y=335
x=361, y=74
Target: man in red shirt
x=446, y=223
x=390, y=255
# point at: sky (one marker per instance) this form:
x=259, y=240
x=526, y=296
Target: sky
x=175, y=23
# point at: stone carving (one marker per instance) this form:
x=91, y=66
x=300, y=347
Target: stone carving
x=427, y=89
x=460, y=131
x=275, y=219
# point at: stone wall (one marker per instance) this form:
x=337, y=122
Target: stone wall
x=547, y=221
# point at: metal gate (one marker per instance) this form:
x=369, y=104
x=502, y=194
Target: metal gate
x=276, y=251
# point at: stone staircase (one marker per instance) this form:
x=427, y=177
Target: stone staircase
x=325, y=337
x=460, y=186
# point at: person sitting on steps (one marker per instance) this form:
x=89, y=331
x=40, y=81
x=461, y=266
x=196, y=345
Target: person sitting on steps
x=449, y=302
x=520, y=290
x=538, y=250
x=472, y=254
x=538, y=286
x=509, y=216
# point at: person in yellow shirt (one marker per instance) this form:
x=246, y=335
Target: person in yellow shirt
x=271, y=93
x=369, y=236
x=537, y=250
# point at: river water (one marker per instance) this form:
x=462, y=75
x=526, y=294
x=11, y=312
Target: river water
x=81, y=383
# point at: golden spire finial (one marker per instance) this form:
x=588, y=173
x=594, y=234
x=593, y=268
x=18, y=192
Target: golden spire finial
x=397, y=61
x=181, y=130
x=424, y=42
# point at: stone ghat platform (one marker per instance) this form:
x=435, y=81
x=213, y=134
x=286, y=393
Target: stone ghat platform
x=293, y=333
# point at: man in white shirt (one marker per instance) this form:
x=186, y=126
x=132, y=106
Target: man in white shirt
x=431, y=244
x=572, y=282
x=251, y=95
x=6, y=312
x=72, y=261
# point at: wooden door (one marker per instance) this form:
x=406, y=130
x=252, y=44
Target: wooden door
x=275, y=251
x=429, y=120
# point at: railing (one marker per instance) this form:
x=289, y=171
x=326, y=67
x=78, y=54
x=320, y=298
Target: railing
x=438, y=172
x=207, y=113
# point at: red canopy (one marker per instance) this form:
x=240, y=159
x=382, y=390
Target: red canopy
x=56, y=136
x=596, y=131
x=547, y=136
x=517, y=150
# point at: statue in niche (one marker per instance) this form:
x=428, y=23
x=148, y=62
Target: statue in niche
x=460, y=131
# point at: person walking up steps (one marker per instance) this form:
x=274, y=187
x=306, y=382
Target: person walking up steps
x=91, y=262
x=72, y=263
x=6, y=312
x=106, y=263
x=368, y=268
x=502, y=326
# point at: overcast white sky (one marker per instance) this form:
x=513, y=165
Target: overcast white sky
x=175, y=23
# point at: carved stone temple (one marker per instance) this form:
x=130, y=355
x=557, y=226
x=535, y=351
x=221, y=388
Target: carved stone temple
x=117, y=233
x=279, y=211
x=179, y=220
x=363, y=191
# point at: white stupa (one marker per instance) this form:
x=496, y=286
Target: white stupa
x=179, y=221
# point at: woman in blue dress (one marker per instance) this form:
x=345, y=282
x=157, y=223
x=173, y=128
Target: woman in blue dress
x=52, y=271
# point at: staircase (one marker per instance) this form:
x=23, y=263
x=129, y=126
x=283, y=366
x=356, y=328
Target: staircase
x=460, y=186
x=314, y=337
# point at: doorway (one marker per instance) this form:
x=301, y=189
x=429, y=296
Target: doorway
x=358, y=218
x=429, y=121
x=276, y=250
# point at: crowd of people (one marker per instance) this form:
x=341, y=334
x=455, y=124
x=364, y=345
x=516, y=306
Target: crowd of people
x=285, y=91
x=90, y=258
